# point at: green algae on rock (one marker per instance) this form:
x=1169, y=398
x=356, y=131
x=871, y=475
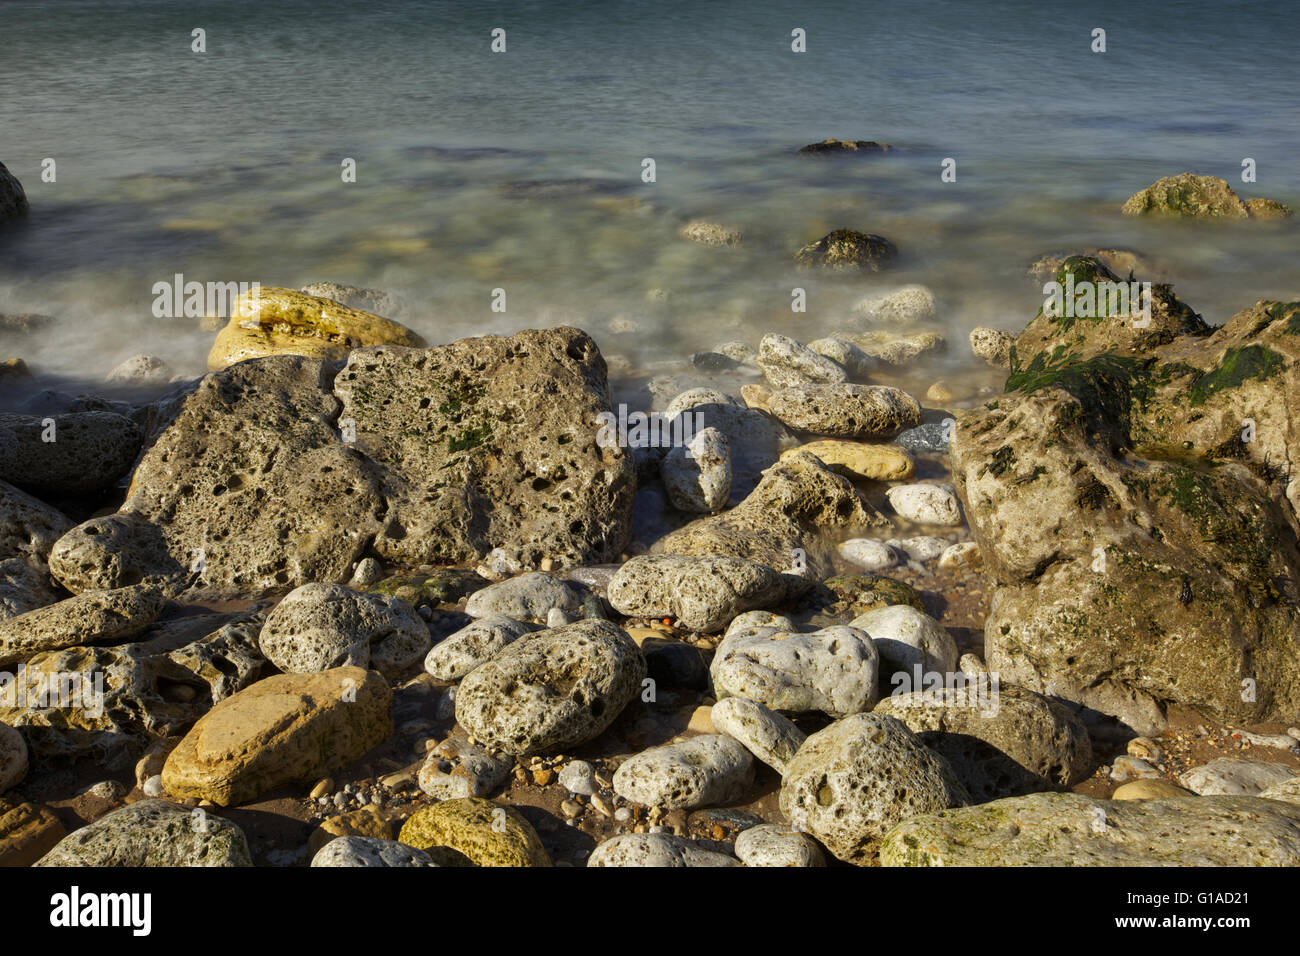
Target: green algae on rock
x=485, y=832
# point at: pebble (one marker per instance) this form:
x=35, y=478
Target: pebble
x=656, y=850
x=920, y=547
x=702, y=771
x=963, y=554
x=776, y=844
x=905, y=638
x=1126, y=768
x=153, y=787
x=323, y=787
x=1149, y=788
x=529, y=597
x=868, y=553
x=770, y=737
x=697, y=475
x=369, y=851
x=926, y=504
x=702, y=592
x=787, y=363
x=577, y=776
x=860, y=460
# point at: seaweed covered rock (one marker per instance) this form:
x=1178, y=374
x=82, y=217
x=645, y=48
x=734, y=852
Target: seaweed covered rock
x=273, y=321
x=848, y=250
x=1139, y=513
x=488, y=443
x=153, y=833
x=484, y=832
x=1196, y=197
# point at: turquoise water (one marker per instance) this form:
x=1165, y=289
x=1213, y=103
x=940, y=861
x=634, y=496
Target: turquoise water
x=225, y=166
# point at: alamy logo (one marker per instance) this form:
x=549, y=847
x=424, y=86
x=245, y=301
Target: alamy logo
x=176, y=298
x=73, y=909
x=58, y=690
x=1093, y=300
x=653, y=430
x=934, y=689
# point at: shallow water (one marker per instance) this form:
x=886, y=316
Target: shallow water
x=522, y=170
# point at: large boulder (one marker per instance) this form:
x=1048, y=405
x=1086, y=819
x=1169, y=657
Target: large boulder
x=1139, y=514
x=153, y=833
x=1069, y=829
x=70, y=454
x=290, y=728
x=275, y=321
x=28, y=526
x=13, y=201
x=89, y=618
x=489, y=443
x=552, y=690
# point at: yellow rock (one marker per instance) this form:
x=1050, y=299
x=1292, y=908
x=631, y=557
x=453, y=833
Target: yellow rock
x=365, y=822
x=855, y=459
x=276, y=321
x=702, y=721
x=27, y=832
x=756, y=396
x=488, y=834
x=290, y=728
x=1152, y=788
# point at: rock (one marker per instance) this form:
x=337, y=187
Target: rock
x=1188, y=195
x=487, y=834
x=13, y=758
x=441, y=586
x=552, y=690
x=1287, y=791
x=740, y=352
x=1127, y=768
x=89, y=618
x=290, y=728
x=1268, y=209
x=473, y=645
x=69, y=454
x=774, y=844
x=1154, y=788
x=675, y=664
x=858, y=460
x=153, y=833
x=458, y=767
x=27, y=832
x=1233, y=776
x=116, y=551
x=13, y=201
x=703, y=593
x=375, y=301
x=1069, y=829
x=365, y=822
x=931, y=437
x=868, y=553
x=752, y=619
x=578, y=776
x=710, y=233
x=833, y=670
x=274, y=321
x=492, y=442
x=321, y=626
x=28, y=526
x=921, y=548
x=911, y=303
x=963, y=554
x=1084, y=539
x=829, y=147
x=1120, y=261
x=855, y=361
x=894, y=349
x=121, y=699
x=926, y=504
x=697, y=475
x=23, y=588
x=1000, y=740
x=141, y=370
x=854, y=780
x=655, y=850
x=528, y=597
x=846, y=411
x=992, y=345
x=840, y=599
x=789, y=364
x=766, y=734
x=845, y=249
x=369, y=851
x=906, y=638
x=702, y=771
x=782, y=522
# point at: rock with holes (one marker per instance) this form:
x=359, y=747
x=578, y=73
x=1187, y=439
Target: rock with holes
x=13, y=758
x=703, y=593
x=111, y=701
x=770, y=737
x=369, y=851
x=1001, y=740
x=833, y=670
x=656, y=850
x=153, y=833
x=775, y=844
x=376, y=301
x=23, y=588
x=1069, y=829
x=926, y=503
x=851, y=783
x=907, y=639
x=93, y=617
x=704, y=771
x=492, y=443
x=846, y=410
x=459, y=767
x=787, y=363
x=319, y=626
x=911, y=303
x=992, y=345
x=284, y=729
x=848, y=250
x=474, y=644
x=553, y=690
x=116, y=551
x=69, y=454
x=483, y=832
x=697, y=475
x=28, y=526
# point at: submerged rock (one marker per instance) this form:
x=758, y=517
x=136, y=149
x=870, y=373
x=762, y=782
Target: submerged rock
x=845, y=249
x=832, y=146
x=13, y=200
x=1191, y=196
